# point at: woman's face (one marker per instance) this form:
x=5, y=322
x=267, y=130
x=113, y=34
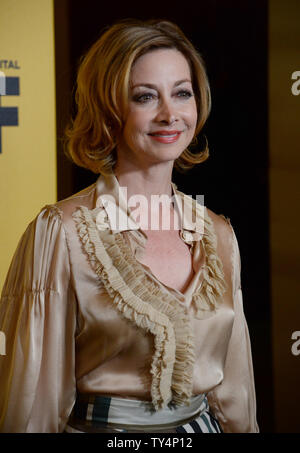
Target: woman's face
x=162, y=111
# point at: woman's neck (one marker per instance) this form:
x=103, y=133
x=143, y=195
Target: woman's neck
x=153, y=185
x=153, y=180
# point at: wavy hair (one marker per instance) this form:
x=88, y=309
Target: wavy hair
x=102, y=91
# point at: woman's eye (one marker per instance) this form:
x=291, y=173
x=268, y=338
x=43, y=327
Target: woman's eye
x=184, y=94
x=142, y=98
x=147, y=97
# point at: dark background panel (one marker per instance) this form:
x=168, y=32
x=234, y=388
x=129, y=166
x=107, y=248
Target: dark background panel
x=232, y=37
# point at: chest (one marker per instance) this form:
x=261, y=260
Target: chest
x=169, y=258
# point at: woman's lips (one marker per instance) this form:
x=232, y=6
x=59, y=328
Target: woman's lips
x=165, y=136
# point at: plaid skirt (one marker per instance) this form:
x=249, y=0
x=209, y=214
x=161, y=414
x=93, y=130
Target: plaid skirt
x=104, y=414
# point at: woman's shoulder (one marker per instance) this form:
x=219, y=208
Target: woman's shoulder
x=63, y=209
x=220, y=220
x=222, y=226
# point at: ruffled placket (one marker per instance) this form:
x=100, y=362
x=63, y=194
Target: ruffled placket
x=140, y=299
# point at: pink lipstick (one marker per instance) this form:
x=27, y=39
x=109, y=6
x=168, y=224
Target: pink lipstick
x=164, y=136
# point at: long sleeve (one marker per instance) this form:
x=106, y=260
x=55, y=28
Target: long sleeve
x=38, y=318
x=233, y=402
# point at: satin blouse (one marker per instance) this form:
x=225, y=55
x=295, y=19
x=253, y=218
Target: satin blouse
x=81, y=313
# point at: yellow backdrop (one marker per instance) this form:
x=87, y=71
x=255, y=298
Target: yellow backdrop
x=28, y=149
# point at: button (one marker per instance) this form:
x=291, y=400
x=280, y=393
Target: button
x=187, y=236
x=102, y=220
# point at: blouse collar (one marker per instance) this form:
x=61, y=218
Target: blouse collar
x=116, y=216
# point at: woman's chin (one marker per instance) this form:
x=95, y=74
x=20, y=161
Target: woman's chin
x=167, y=155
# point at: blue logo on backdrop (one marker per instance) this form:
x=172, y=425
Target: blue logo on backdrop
x=9, y=86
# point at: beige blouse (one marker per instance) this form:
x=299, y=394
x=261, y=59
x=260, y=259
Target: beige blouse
x=81, y=313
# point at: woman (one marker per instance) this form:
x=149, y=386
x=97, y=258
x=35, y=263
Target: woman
x=119, y=316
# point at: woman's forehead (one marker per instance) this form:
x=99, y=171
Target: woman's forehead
x=160, y=64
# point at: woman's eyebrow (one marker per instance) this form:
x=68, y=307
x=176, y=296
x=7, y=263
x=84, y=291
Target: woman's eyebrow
x=154, y=87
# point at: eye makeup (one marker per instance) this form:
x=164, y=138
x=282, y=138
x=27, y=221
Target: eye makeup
x=143, y=98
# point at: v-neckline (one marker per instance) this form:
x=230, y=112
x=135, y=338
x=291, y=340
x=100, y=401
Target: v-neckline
x=184, y=297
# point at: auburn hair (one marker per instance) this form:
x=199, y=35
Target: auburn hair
x=102, y=91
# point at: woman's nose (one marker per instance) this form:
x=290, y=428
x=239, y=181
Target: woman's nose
x=166, y=113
